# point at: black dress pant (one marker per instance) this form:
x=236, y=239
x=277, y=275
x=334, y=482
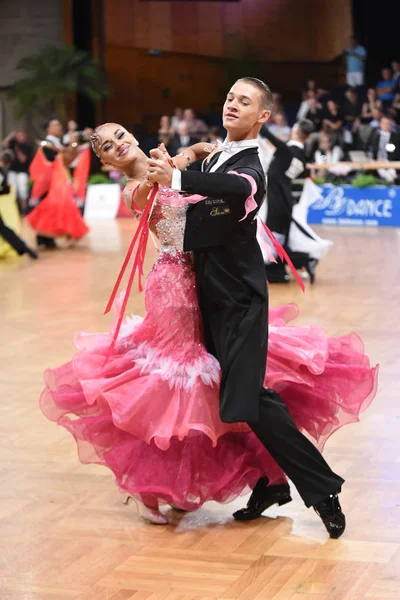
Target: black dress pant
x=294, y=453
x=12, y=238
x=234, y=306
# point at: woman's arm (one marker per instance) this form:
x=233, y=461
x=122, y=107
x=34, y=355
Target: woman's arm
x=137, y=203
x=196, y=152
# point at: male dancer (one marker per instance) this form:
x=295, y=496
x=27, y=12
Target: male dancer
x=234, y=301
x=288, y=163
x=5, y=232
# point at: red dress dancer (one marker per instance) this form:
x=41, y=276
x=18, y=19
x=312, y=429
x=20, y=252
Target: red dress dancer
x=150, y=413
x=58, y=214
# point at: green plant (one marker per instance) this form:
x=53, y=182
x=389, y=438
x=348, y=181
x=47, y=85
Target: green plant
x=319, y=179
x=50, y=76
x=98, y=178
x=364, y=180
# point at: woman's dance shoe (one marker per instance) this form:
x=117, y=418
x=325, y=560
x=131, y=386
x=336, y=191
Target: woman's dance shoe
x=151, y=515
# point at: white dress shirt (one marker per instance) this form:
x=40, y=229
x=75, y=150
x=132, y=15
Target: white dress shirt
x=228, y=150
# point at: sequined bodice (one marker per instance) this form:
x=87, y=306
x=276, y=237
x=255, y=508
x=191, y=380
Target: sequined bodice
x=169, y=218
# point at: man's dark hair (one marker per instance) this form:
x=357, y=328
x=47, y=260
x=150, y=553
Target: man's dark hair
x=306, y=128
x=265, y=92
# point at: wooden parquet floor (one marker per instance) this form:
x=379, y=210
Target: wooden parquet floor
x=64, y=532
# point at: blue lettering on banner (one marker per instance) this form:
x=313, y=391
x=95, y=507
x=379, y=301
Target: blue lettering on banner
x=374, y=206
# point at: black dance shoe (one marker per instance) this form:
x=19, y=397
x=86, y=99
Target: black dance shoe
x=263, y=497
x=331, y=515
x=31, y=253
x=276, y=273
x=310, y=268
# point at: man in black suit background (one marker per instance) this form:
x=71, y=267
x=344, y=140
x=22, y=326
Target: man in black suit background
x=233, y=301
x=384, y=142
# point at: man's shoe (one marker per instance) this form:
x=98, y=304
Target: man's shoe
x=310, y=268
x=263, y=497
x=331, y=515
x=276, y=273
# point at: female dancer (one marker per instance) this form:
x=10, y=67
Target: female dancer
x=58, y=215
x=147, y=405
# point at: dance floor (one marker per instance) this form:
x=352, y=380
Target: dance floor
x=64, y=532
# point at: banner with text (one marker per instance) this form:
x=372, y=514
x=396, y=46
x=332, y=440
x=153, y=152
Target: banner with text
x=375, y=206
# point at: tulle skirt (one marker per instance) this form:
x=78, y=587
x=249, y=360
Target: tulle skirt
x=58, y=215
x=153, y=420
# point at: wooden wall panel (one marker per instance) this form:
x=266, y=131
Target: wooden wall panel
x=145, y=86
x=279, y=30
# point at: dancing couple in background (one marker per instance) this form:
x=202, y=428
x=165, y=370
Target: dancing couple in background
x=180, y=405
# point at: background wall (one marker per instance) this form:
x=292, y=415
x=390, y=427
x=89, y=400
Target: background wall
x=196, y=39
x=279, y=30
x=26, y=26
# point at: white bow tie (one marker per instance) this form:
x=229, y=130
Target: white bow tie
x=233, y=147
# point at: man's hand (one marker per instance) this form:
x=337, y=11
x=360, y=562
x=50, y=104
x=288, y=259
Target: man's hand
x=159, y=167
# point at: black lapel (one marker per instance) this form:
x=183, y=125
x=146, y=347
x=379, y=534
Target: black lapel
x=212, y=161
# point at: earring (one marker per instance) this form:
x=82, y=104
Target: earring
x=137, y=143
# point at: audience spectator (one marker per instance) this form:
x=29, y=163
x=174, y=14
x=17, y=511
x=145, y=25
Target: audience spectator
x=396, y=71
x=197, y=127
x=328, y=151
x=377, y=114
x=183, y=139
x=355, y=60
x=314, y=113
x=386, y=87
x=333, y=119
x=177, y=118
x=384, y=142
x=370, y=103
x=280, y=128
x=396, y=107
x=277, y=107
x=166, y=127
x=305, y=105
x=214, y=136
x=18, y=176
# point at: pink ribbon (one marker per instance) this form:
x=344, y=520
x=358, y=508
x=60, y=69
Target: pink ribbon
x=141, y=236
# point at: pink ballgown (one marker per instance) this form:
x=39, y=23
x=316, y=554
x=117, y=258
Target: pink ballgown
x=151, y=413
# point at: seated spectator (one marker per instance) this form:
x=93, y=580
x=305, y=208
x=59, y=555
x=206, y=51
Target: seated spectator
x=214, y=135
x=277, y=107
x=165, y=138
x=370, y=103
x=384, y=143
x=386, y=88
x=351, y=107
x=377, y=114
x=351, y=113
x=310, y=85
x=177, y=118
x=396, y=107
x=280, y=128
x=182, y=140
x=333, y=119
x=197, y=128
x=166, y=127
x=315, y=113
x=328, y=151
x=305, y=105
x=396, y=72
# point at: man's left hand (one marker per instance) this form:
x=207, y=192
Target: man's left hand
x=159, y=168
